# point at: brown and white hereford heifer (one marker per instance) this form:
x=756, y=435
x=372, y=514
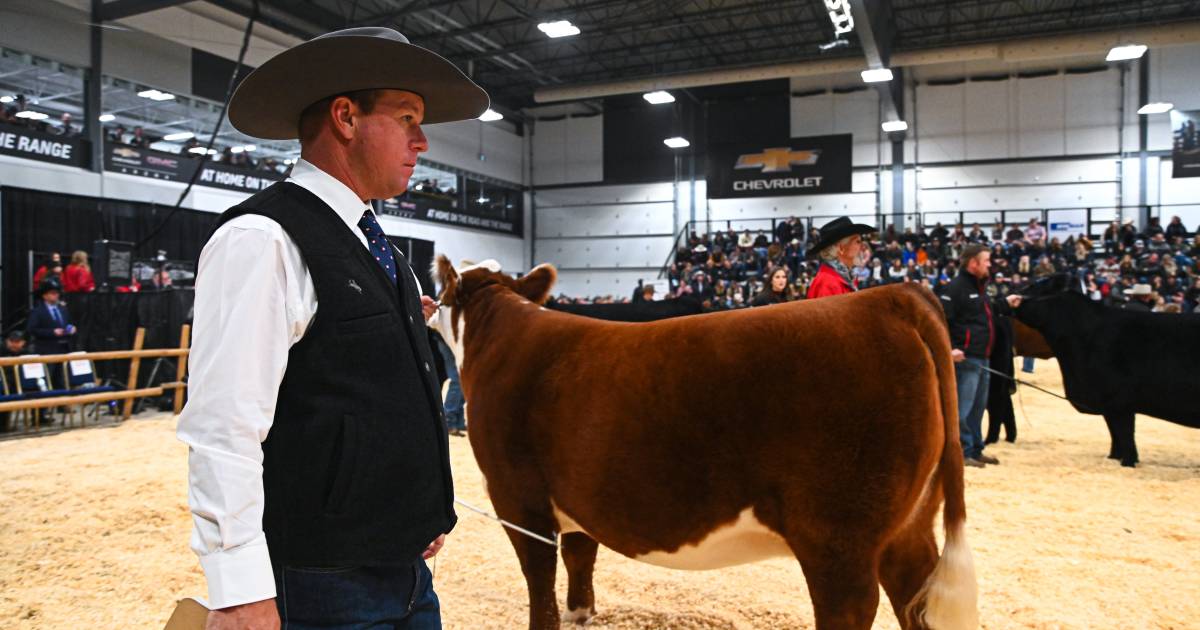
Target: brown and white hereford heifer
x=824, y=430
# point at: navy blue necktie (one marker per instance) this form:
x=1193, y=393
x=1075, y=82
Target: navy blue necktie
x=57, y=316
x=379, y=245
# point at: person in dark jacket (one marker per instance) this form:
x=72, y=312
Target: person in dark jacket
x=778, y=291
x=51, y=328
x=970, y=316
x=15, y=345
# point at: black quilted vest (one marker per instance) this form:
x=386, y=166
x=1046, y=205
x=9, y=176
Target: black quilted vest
x=356, y=467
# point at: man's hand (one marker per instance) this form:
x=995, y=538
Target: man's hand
x=256, y=616
x=957, y=355
x=1014, y=300
x=428, y=306
x=434, y=547
x=58, y=332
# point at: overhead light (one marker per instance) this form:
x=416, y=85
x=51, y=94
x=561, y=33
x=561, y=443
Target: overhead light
x=156, y=95
x=491, y=115
x=106, y=118
x=290, y=161
x=1148, y=108
x=6, y=99
x=236, y=149
x=1125, y=53
x=895, y=125
x=201, y=150
x=32, y=115
x=561, y=28
x=482, y=199
x=250, y=147
x=176, y=137
x=676, y=142
x=658, y=98
x=876, y=75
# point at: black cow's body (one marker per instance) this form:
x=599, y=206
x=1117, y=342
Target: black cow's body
x=633, y=312
x=1117, y=363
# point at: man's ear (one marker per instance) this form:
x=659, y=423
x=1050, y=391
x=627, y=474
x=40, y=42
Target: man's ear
x=535, y=286
x=446, y=276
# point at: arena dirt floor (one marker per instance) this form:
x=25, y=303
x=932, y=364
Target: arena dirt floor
x=94, y=530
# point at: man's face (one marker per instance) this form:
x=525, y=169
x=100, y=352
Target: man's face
x=50, y=297
x=388, y=141
x=980, y=265
x=15, y=345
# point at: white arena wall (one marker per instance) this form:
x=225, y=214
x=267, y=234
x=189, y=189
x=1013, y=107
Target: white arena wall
x=1015, y=143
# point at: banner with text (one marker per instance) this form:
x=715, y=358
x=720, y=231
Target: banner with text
x=1062, y=224
x=799, y=166
x=1185, y=143
x=35, y=145
x=173, y=167
x=428, y=208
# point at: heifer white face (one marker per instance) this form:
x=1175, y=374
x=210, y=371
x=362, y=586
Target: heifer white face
x=453, y=329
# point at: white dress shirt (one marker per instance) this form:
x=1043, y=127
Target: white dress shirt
x=254, y=299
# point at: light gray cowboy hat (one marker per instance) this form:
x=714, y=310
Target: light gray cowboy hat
x=268, y=103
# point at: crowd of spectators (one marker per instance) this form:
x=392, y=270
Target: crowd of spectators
x=727, y=269
x=118, y=134
x=64, y=126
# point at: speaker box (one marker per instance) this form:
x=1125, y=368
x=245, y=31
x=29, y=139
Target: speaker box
x=112, y=264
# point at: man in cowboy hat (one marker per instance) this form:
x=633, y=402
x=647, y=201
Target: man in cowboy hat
x=319, y=465
x=1141, y=298
x=838, y=249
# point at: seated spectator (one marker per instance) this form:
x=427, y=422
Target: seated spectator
x=77, y=278
x=1035, y=232
x=66, y=128
x=140, y=139
x=777, y=292
x=116, y=135
x=1175, y=229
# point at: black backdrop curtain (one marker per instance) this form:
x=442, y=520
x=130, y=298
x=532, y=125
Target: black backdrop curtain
x=54, y=222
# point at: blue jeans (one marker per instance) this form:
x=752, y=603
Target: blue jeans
x=455, y=420
x=972, y=402
x=1027, y=364
x=357, y=598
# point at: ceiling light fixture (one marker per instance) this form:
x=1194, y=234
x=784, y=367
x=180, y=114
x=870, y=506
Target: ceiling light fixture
x=561, y=28
x=156, y=95
x=1125, y=53
x=176, y=137
x=106, y=118
x=876, y=75
x=677, y=142
x=659, y=97
x=895, y=125
x=32, y=115
x=491, y=115
x=1148, y=108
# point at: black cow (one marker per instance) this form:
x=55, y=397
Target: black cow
x=635, y=311
x=1116, y=363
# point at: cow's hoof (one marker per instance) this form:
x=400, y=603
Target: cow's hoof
x=579, y=616
x=1114, y=456
x=1129, y=464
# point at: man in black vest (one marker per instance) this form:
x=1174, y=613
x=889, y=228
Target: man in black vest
x=319, y=464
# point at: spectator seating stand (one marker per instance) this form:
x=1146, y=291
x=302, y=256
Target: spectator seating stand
x=31, y=392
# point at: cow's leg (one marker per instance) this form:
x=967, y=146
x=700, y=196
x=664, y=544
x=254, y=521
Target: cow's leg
x=579, y=554
x=1129, y=454
x=844, y=587
x=1114, y=451
x=538, y=563
x=905, y=566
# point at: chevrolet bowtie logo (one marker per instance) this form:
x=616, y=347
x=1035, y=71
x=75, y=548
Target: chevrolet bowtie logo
x=777, y=160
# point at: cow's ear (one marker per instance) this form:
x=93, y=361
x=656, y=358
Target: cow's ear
x=535, y=286
x=446, y=276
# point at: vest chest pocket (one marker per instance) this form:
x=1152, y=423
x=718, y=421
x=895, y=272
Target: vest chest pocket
x=378, y=322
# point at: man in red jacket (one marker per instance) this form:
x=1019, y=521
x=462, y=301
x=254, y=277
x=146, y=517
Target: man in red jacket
x=839, y=248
